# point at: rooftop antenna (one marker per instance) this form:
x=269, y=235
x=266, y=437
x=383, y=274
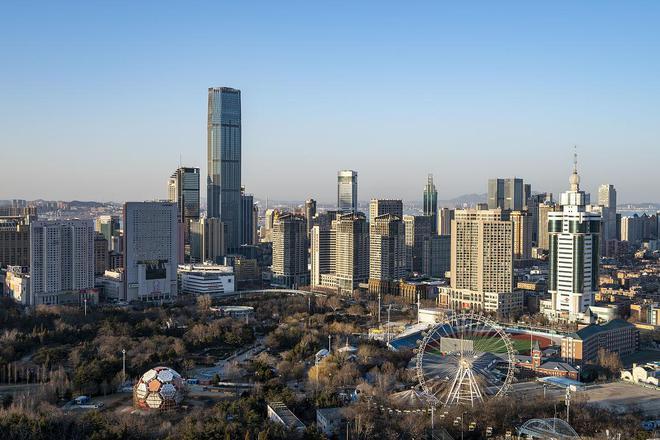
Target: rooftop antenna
x=575, y=157
x=180, y=160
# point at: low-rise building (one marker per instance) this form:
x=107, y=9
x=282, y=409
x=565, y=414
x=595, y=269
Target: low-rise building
x=330, y=420
x=206, y=279
x=278, y=412
x=617, y=336
x=111, y=285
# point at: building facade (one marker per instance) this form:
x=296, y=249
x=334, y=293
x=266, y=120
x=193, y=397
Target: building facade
x=15, y=241
x=224, y=161
x=151, y=236
x=445, y=216
x=574, y=253
x=347, y=187
x=183, y=189
x=418, y=232
x=352, y=252
x=507, y=194
x=522, y=234
x=378, y=207
x=207, y=240
x=206, y=279
x=61, y=261
x=430, y=203
x=387, y=250
x=290, y=251
x=249, y=218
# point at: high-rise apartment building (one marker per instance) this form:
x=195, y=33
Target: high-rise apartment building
x=347, y=191
x=183, y=189
x=418, y=235
x=207, y=240
x=224, y=161
x=378, y=207
x=522, y=234
x=290, y=251
x=632, y=229
x=323, y=252
x=61, y=262
x=248, y=220
x=15, y=241
x=387, y=250
x=445, y=216
x=151, y=237
x=574, y=254
x=430, y=202
x=507, y=194
x=352, y=252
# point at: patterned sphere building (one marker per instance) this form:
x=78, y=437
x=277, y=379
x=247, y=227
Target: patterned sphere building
x=160, y=388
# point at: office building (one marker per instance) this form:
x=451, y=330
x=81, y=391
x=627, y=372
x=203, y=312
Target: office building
x=224, y=161
x=352, y=252
x=109, y=226
x=445, y=216
x=206, y=279
x=418, y=232
x=151, y=236
x=378, y=207
x=607, y=202
x=290, y=251
x=183, y=189
x=347, y=191
x=522, y=234
x=574, y=253
x=533, y=204
x=61, y=262
x=543, y=234
x=439, y=256
x=507, y=194
x=310, y=213
x=207, y=240
x=430, y=202
x=387, y=252
x=249, y=213
x=101, y=254
x=15, y=241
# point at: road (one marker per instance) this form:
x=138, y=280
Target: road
x=219, y=368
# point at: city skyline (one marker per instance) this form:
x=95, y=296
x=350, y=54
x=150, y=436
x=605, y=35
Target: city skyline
x=477, y=96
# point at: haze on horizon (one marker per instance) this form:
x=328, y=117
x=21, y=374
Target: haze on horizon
x=100, y=101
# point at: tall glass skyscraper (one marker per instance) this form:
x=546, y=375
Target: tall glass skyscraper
x=431, y=203
x=224, y=161
x=347, y=191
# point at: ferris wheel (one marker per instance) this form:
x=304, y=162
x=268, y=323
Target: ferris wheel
x=465, y=359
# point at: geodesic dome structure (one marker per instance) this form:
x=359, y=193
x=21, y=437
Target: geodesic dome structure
x=160, y=388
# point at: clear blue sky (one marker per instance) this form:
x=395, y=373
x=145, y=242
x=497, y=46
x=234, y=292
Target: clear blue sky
x=99, y=99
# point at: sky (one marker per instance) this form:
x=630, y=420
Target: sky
x=101, y=100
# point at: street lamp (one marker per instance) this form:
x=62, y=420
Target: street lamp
x=123, y=353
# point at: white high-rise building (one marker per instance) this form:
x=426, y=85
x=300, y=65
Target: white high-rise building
x=347, y=191
x=150, y=251
x=61, y=261
x=574, y=253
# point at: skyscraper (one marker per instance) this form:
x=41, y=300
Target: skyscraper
x=323, y=251
x=507, y=194
x=607, y=201
x=430, y=200
x=347, y=191
x=387, y=252
x=445, y=216
x=290, y=251
x=207, y=243
x=522, y=234
x=417, y=236
x=352, y=254
x=61, y=261
x=310, y=213
x=150, y=251
x=482, y=262
x=378, y=207
x=574, y=254
x=183, y=189
x=224, y=161
x=248, y=225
